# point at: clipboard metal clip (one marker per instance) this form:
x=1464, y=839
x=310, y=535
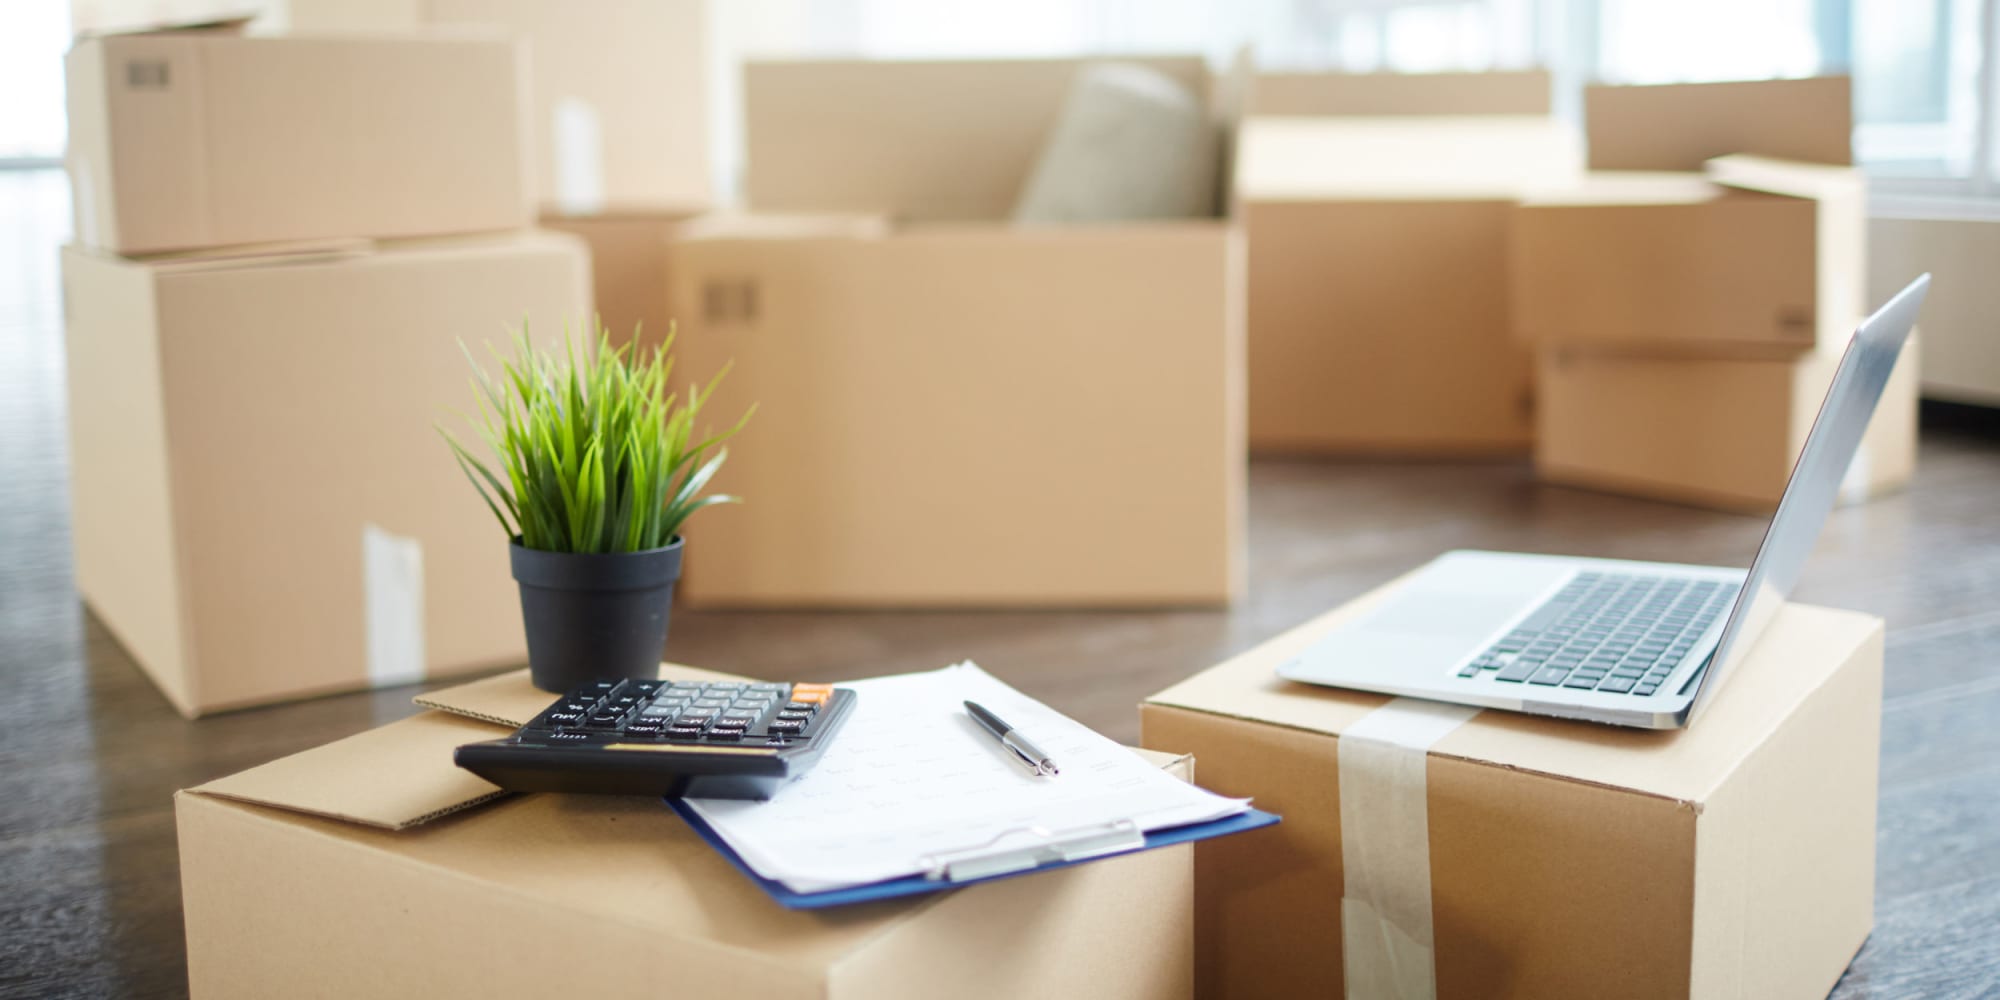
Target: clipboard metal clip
x=1006, y=853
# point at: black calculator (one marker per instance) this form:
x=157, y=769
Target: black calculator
x=712, y=739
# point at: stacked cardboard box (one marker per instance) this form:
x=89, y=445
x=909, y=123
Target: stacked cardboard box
x=1377, y=210
x=620, y=120
x=1689, y=300
x=281, y=243
x=618, y=112
x=953, y=410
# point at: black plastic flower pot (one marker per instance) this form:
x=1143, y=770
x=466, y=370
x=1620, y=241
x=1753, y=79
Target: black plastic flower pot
x=595, y=617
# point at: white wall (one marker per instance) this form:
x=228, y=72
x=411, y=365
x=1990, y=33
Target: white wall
x=1961, y=318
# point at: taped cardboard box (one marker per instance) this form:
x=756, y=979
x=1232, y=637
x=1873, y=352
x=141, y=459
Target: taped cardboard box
x=628, y=269
x=965, y=413
x=1550, y=858
x=1378, y=272
x=374, y=867
x=1715, y=432
x=262, y=508
x=202, y=139
x=1753, y=258
x=1321, y=95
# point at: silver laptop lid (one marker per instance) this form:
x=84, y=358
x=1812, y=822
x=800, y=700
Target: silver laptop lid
x=1815, y=483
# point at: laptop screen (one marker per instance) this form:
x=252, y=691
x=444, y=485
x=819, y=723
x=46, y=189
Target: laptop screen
x=1815, y=483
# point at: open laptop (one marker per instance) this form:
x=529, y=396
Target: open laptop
x=1629, y=643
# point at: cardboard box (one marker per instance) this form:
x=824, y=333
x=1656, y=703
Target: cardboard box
x=1563, y=859
x=1378, y=279
x=950, y=140
x=1753, y=258
x=1684, y=125
x=628, y=269
x=200, y=139
x=1715, y=432
x=971, y=416
x=262, y=507
x=957, y=414
x=373, y=867
x=621, y=99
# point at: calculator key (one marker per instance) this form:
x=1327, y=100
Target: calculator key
x=699, y=714
x=645, y=686
x=563, y=718
x=645, y=727
x=726, y=686
x=724, y=735
x=686, y=685
x=778, y=688
x=683, y=731
x=659, y=712
x=711, y=702
x=787, y=726
x=794, y=716
x=743, y=714
x=801, y=706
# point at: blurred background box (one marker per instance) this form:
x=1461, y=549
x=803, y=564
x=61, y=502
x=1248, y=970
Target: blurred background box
x=198, y=139
x=620, y=111
x=1717, y=432
x=954, y=410
x=1754, y=257
x=1740, y=851
x=1376, y=209
x=263, y=509
x=1680, y=126
x=628, y=268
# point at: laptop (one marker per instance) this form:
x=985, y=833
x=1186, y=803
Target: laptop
x=1609, y=640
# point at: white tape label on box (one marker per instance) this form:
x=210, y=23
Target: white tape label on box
x=1385, y=848
x=579, y=155
x=392, y=575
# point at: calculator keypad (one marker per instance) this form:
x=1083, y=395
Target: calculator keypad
x=720, y=712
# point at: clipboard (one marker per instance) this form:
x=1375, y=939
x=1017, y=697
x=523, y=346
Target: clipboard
x=1024, y=851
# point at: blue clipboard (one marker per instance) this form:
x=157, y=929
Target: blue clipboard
x=917, y=885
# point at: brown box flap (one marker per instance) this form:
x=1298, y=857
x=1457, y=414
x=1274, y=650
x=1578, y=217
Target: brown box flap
x=1524, y=92
x=1803, y=646
x=1681, y=126
x=393, y=777
x=1818, y=181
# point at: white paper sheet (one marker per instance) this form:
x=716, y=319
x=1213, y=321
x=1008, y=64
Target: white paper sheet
x=911, y=775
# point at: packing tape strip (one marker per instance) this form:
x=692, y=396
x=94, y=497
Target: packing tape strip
x=392, y=577
x=1385, y=851
x=579, y=156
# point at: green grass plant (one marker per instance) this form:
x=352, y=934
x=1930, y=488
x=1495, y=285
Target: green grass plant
x=594, y=454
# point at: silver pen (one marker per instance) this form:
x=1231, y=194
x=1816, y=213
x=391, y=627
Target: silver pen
x=1017, y=744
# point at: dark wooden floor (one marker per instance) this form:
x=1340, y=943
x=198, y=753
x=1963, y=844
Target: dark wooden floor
x=90, y=754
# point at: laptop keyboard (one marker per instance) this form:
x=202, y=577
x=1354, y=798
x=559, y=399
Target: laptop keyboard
x=1615, y=632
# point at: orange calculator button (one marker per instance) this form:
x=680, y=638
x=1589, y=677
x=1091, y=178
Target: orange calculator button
x=812, y=692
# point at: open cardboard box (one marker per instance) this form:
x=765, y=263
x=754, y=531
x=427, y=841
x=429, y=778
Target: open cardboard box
x=1561, y=859
x=1752, y=258
x=1377, y=210
x=374, y=867
x=262, y=507
x=954, y=410
x=1720, y=220
x=193, y=139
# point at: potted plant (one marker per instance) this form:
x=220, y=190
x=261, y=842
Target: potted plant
x=598, y=467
